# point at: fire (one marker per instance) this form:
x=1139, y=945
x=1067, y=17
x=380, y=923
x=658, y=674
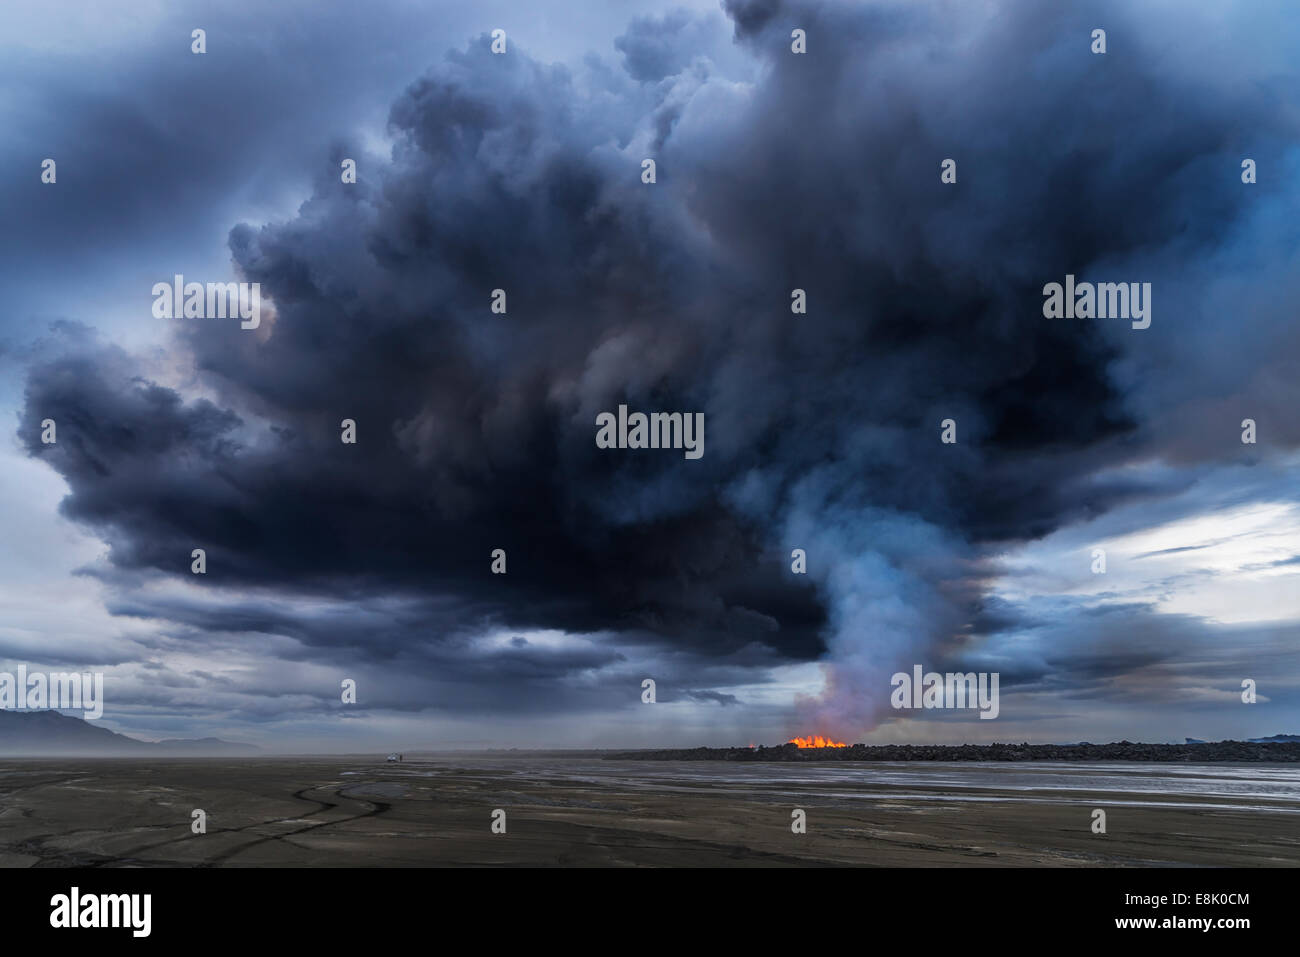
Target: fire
x=817, y=741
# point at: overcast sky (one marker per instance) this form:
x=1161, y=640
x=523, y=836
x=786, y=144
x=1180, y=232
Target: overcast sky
x=476, y=431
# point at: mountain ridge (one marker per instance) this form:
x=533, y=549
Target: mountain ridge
x=52, y=733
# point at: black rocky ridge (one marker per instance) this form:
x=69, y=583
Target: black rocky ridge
x=1245, y=751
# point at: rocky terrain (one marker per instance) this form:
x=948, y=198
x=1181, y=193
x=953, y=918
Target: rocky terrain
x=1121, y=751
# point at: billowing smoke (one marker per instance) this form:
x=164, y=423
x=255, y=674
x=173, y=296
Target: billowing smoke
x=818, y=172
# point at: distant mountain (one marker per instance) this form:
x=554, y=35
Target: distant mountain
x=1272, y=737
x=51, y=733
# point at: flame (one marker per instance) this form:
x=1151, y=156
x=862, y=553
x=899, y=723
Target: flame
x=817, y=741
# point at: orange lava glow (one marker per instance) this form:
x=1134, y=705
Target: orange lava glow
x=817, y=741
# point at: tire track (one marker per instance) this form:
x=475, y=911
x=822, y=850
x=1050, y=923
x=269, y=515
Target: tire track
x=129, y=856
x=377, y=808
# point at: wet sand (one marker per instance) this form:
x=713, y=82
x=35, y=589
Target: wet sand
x=360, y=811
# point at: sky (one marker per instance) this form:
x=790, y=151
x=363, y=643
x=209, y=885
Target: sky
x=371, y=562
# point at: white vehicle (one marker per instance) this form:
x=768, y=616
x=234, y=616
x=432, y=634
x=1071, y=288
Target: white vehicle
x=393, y=757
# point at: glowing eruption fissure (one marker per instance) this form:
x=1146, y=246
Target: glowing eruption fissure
x=817, y=741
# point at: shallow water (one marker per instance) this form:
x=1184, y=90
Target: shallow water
x=1273, y=788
